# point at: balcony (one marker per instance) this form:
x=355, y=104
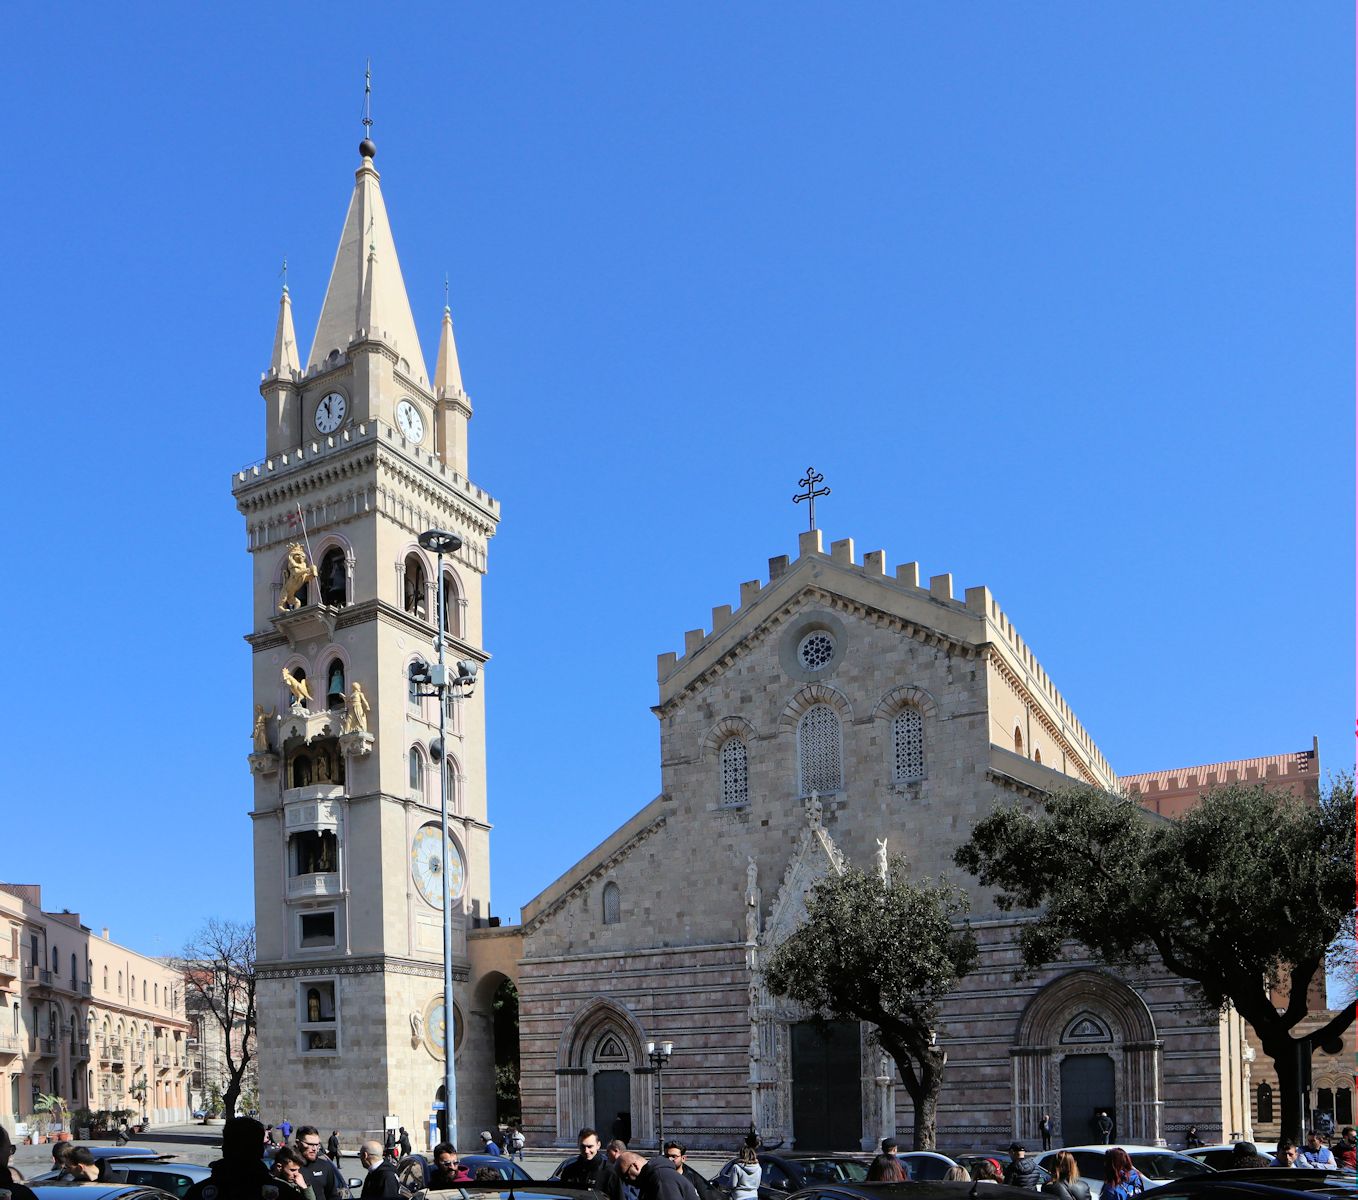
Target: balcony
x=9, y=968
x=81, y=1051
x=32, y=973
x=114, y=1052
x=9, y=1045
x=47, y=1047
x=316, y=806
x=105, y=1054
x=318, y=883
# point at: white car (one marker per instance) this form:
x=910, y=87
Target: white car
x=1156, y=1164
x=1219, y=1157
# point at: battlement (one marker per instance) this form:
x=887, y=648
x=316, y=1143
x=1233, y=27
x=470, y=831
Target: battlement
x=977, y=602
x=357, y=434
x=1299, y=770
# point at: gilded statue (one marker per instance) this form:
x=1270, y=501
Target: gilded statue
x=261, y=730
x=299, y=687
x=356, y=709
x=297, y=574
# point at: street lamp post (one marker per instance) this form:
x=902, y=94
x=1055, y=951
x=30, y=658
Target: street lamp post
x=440, y=542
x=659, y=1056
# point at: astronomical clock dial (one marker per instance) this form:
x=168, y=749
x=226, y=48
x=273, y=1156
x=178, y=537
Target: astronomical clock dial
x=435, y=1028
x=330, y=412
x=409, y=419
x=430, y=855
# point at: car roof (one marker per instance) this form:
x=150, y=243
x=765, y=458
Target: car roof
x=124, y=1152
x=1129, y=1147
x=97, y=1191
x=916, y=1190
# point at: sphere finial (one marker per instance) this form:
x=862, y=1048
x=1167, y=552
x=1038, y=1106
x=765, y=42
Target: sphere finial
x=366, y=147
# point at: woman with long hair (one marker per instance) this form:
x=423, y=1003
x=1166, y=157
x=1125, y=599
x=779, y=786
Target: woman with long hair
x=746, y=1173
x=886, y=1168
x=956, y=1174
x=1065, y=1182
x=1121, y=1180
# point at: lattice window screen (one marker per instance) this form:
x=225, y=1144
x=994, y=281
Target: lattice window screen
x=735, y=775
x=907, y=742
x=818, y=745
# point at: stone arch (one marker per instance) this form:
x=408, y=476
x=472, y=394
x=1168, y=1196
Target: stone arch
x=811, y=695
x=1080, y=1013
x=722, y=731
x=899, y=697
x=603, y=1036
x=324, y=545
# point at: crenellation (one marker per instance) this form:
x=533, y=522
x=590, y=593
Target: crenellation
x=721, y=617
x=874, y=562
x=940, y=586
x=842, y=551
x=908, y=574
x=665, y=663
x=810, y=542
x=693, y=638
x=749, y=592
x=778, y=566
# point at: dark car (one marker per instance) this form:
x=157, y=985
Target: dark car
x=96, y=1191
x=514, y=1189
x=115, y=1161
x=173, y=1177
x=415, y=1169
x=916, y=1190
x=789, y=1171
x=1260, y=1183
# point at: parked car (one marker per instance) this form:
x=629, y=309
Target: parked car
x=514, y=1189
x=1156, y=1164
x=919, y=1189
x=173, y=1177
x=926, y=1165
x=415, y=1169
x=1219, y=1157
x=109, y=1157
x=96, y=1191
x=1260, y=1183
x=790, y=1170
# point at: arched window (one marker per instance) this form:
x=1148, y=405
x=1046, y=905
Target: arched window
x=334, y=684
x=416, y=588
x=413, y=688
x=416, y=770
x=1037, y=755
x=155, y=994
x=131, y=987
x=120, y=983
x=1018, y=740
x=105, y=979
x=75, y=970
x=735, y=775
x=907, y=745
x=301, y=770
x=1264, y=1104
x=452, y=610
x=334, y=578
x=612, y=904
x=819, y=751
x=143, y=991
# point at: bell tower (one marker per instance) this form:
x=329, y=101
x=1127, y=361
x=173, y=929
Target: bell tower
x=363, y=453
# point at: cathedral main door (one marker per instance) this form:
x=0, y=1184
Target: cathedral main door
x=1086, y=1087
x=827, y=1092
x=612, y=1105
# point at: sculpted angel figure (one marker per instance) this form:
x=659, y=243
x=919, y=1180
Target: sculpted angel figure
x=261, y=729
x=356, y=709
x=300, y=688
x=298, y=573
x=881, y=859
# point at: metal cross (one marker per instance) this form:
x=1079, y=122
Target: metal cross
x=809, y=483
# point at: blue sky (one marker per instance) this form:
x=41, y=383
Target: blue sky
x=1059, y=298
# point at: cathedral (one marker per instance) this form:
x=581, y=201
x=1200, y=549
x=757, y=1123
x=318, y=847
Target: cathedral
x=841, y=702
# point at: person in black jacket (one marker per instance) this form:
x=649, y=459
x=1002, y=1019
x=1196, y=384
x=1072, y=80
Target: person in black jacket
x=381, y=1181
x=1065, y=1183
x=678, y=1157
x=322, y=1176
x=1022, y=1171
x=588, y=1168
x=240, y=1173
x=656, y=1178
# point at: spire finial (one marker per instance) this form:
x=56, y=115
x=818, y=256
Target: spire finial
x=366, y=146
x=445, y=293
x=284, y=272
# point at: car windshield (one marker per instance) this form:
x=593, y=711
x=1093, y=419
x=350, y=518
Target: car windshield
x=827, y=1170
x=1167, y=1166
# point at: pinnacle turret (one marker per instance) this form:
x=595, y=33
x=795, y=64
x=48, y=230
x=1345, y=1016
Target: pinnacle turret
x=448, y=372
x=284, y=362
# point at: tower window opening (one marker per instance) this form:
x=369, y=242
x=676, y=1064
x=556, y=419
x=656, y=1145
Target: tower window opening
x=452, y=624
x=416, y=771
x=299, y=771
x=314, y=853
x=334, y=578
x=316, y=930
x=334, y=684
x=1018, y=740
x=416, y=588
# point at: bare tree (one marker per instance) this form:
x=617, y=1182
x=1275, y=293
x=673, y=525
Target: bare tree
x=218, y=965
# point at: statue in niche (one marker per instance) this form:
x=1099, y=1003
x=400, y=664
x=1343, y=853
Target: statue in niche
x=356, y=709
x=752, y=900
x=322, y=765
x=299, y=687
x=261, y=730
x=881, y=859
x=313, y=1005
x=297, y=574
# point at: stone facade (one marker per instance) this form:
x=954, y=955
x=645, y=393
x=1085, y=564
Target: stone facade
x=365, y=452
x=89, y=1020
x=865, y=706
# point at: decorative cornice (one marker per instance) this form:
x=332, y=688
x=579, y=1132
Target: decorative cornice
x=368, y=610
x=1032, y=704
x=369, y=966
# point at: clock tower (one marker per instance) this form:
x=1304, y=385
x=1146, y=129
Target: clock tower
x=364, y=450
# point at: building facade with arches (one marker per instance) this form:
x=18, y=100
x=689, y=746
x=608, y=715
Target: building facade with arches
x=837, y=705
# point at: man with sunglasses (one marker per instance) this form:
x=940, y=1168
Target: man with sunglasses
x=322, y=1175
x=448, y=1169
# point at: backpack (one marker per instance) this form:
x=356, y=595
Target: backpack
x=516, y=1139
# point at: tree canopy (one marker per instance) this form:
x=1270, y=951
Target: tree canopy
x=218, y=965
x=881, y=951
x=1243, y=896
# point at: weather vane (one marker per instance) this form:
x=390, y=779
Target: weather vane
x=368, y=100
x=809, y=483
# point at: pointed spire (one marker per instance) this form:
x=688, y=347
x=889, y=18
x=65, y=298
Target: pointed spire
x=367, y=248
x=284, y=362
x=448, y=372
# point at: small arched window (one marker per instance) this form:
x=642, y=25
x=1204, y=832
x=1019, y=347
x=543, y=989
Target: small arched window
x=334, y=684
x=120, y=983
x=612, y=904
x=1018, y=740
x=907, y=745
x=416, y=770
x=1264, y=1103
x=75, y=970
x=735, y=773
x=155, y=994
x=819, y=750
x=56, y=961
x=105, y=979
x=334, y=578
x=415, y=588
x=143, y=991
x=1037, y=755
x=452, y=609
x=301, y=770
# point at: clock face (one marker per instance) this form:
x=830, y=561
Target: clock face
x=436, y=1029
x=409, y=419
x=330, y=412
x=428, y=854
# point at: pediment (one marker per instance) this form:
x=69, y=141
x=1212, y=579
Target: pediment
x=815, y=858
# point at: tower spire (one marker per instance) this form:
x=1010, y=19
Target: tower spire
x=284, y=363
x=448, y=371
